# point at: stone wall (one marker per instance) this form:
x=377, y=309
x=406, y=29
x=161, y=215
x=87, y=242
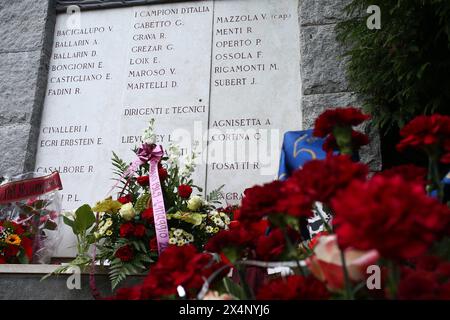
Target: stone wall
x=324, y=84
x=26, y=35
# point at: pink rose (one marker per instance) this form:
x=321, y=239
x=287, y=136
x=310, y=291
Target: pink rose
x=326, y=264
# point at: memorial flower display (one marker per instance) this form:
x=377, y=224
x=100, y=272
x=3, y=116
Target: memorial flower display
x=127, y=233
x=29, y=218
x=388, y=237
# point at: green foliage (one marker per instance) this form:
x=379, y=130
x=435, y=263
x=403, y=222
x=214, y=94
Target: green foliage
x=141, y=202
x=402, y=70
x=118, y=269
x=215, y=195
x=83, y=220
x=119, y=169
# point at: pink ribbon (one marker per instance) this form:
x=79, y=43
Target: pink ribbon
x=152, y=154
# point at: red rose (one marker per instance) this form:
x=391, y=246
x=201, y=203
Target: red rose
x=27, y=245
x=184, y=191
x=294, y=288
x=162, y=172
x=139, y=230
x=125, y=199
x=339, y=117
x=11, y=251
x=147, y=215
x=125, y=253
x=18, y=229
x=390, y=215
x=143, y=181
x=153, y=245
x=126, y=230
x=428, y=133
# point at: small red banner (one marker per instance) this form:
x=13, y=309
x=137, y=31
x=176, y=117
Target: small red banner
x=23, y=189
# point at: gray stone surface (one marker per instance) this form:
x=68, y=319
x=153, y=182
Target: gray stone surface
x=22, y=25
x=324, y=83
x=25, y=46
x=315, y=104
x=323, y=67
x=18, y=81
x=319, y=12
x=30, y=287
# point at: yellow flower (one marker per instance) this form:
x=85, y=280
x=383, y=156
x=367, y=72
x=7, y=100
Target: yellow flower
x=107, y=205
x=172, y=241
x=109, y=233
x=13, y=239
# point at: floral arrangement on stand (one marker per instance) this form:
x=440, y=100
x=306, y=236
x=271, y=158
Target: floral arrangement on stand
x=123, y=230
x=388, y=237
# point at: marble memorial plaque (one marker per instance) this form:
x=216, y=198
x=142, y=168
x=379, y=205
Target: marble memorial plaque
x=224, y=74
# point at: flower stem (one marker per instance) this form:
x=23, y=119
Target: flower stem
x=434, y=177
x=393, y=279
x=348, y=288
x=248, y=291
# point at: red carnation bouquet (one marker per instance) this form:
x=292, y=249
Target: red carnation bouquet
x=388, y=237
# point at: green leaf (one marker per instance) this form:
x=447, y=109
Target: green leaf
x=68, y=221
x=84, y=219
x=234, y=289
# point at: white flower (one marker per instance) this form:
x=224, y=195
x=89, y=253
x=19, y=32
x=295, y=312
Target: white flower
x=149, y=136
x=209, y=229
x=214, y=213
x=172, y=241
x=195, y=203
x=190, y=237
x=178, y=232
x=127, y=211
x=108, y=223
